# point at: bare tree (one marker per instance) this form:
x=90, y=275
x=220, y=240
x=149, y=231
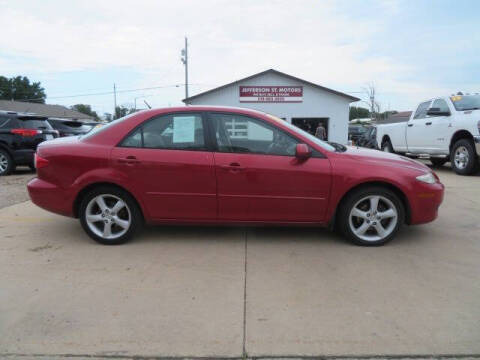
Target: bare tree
x=373, y=104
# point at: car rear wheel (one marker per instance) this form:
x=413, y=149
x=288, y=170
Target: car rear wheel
x=387, y=146
x=6, y=163
x=463, y=157
x=109, y=215
x=371, y=216
x=438, y=161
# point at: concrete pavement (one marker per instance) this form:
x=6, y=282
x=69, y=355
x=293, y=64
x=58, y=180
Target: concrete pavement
x=232, y=292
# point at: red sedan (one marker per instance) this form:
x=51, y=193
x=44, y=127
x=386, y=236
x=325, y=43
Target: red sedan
x=212, y=165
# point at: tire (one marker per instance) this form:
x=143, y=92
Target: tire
x=129, y=215
x=6, y=163
x=463, y=157
x=438, y=161
x=351, y=224
x=387, y=147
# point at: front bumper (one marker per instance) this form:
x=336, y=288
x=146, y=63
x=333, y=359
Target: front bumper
x=476, y=140
x=425, y=201
x=50, y=197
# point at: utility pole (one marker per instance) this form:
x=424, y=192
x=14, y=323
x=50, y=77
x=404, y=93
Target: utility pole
x=114, y=101
x=185, y=62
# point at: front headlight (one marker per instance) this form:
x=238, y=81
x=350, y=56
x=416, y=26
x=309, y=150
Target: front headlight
x=428, y=178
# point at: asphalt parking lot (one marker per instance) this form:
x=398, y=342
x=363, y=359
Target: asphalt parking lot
x=239, y=292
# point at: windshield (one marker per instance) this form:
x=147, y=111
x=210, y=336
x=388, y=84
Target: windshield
x=299, y=131
x=466, y=102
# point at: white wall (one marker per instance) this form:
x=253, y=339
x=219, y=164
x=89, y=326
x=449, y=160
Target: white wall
x=316, y=103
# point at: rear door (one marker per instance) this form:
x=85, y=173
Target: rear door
x=168, y=162
x=260, y=179
x=417, y=129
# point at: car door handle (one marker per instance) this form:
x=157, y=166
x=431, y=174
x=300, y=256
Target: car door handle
x=410, y=125
x=129, y=160
x=232, y=167
x=428, y=123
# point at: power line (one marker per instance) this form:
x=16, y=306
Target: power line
x=109, y=92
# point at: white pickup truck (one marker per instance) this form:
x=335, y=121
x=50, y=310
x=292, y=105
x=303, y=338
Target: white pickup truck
x=444, y=129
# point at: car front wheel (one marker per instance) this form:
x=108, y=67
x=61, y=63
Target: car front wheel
x=371, y=216
x=109, y=215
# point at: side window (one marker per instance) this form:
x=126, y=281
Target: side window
x=422, y=110
x=4, y=121
x=242, y=134
x=173, y=131
x=441, y=104
x=134, y=139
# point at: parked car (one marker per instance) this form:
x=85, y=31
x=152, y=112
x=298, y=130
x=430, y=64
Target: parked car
x=20, y=135
x=188, y=165
x=369, y=138
x=71, y=127
x=356, y=131
x=445, y=129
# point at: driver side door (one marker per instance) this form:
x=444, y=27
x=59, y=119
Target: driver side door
x=258, y=176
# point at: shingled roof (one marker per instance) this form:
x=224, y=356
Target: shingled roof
x=273, y=71
x=53, y=111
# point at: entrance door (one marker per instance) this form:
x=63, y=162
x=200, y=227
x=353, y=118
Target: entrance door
x=260, y=179
x=310, y=125
x=167, y=160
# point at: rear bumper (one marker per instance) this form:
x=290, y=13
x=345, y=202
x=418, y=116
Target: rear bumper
x=23, y=157
x=425, y=201
x=50, y=197
x=476, y=140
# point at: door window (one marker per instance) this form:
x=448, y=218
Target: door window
x=422, y=110
x=241, y=134
x=441, y=104
x=173, y=131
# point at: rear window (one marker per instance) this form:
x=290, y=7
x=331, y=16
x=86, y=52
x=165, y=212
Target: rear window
x=35, y=124
x=70, y=125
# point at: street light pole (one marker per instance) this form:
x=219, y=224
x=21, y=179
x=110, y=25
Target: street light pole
x=185, y=62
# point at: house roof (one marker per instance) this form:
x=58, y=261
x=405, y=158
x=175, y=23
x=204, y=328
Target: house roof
x=349, y=97
x=57, y=111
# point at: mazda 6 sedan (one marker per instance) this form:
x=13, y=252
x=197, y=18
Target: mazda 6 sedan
x=227, y=166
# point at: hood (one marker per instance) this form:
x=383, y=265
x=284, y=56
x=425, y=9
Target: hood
x=384, y=159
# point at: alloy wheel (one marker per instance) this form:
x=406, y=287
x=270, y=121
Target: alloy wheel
x=461, y=157
x=3, y=163
x=373, y=218
x=108, y=216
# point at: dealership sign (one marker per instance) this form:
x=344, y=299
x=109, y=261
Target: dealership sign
x=275, y=94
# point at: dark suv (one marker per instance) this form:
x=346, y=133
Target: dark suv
x=20, y=135
x=71, y=127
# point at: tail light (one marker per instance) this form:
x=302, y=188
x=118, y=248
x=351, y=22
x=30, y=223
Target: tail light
x=26, y=132
x=40, y=162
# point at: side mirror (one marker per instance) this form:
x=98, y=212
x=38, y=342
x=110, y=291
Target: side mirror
x=302, y=151
x=437, y=112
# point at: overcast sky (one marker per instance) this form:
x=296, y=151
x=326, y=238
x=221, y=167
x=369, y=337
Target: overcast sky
x=410, y=49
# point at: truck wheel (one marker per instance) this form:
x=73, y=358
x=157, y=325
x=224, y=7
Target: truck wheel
x=463, y=157
x=6, y=163
x=387, y=147
x=438, y=161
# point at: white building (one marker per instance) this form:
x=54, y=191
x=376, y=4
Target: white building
x=297, y=101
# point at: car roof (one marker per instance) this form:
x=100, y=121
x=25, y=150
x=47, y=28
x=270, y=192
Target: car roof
x=193, y=108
